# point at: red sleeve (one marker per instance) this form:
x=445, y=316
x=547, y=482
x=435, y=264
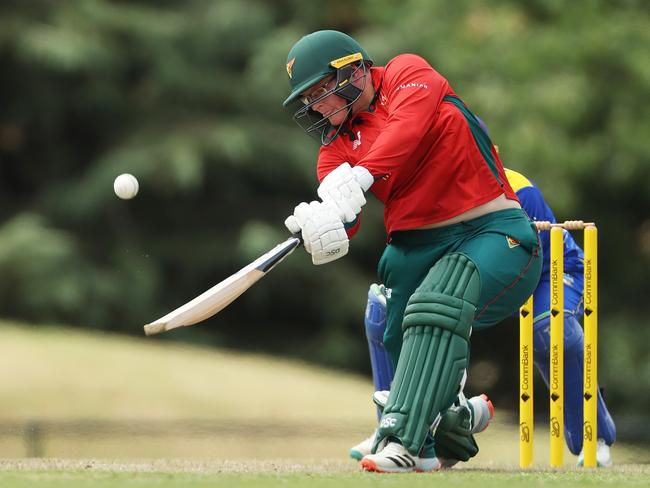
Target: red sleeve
x=329, y=158
x=414, y=91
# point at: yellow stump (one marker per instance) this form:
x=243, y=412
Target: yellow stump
x=591, y=346
x=557, y=348
x=526, y=384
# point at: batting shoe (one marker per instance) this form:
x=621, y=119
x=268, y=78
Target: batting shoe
x=482, y=412
x=363, y=448
x=480, y=407
x=603, y=455
x=394, y=458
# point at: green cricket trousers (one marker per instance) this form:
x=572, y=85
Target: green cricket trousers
x=503, y=245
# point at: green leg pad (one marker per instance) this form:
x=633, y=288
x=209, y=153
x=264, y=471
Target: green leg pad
x=437, y=325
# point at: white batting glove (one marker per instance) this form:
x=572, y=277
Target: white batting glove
x=323, y=234
x=343, y=189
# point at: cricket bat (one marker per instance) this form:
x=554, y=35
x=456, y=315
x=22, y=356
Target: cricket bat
x=222, y=294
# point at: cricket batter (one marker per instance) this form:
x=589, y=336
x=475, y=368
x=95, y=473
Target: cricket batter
x=461, y=253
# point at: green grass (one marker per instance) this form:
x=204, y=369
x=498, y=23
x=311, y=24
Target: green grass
x=57, y=373
x=317, y=475
x=263, y=421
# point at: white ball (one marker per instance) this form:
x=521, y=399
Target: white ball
x=126, y=186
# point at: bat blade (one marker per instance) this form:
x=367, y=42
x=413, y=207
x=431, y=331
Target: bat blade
x=224, y=293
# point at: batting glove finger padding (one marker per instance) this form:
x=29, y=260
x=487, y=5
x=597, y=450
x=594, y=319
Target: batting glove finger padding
x=343, y=189
x=292, y=224
x=322, y=230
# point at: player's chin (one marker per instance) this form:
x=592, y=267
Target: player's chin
x=336, y=118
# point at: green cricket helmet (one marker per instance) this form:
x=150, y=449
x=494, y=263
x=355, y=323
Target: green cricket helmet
x=312, y=59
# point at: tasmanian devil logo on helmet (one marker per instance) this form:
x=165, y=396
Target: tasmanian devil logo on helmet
x=290, y=66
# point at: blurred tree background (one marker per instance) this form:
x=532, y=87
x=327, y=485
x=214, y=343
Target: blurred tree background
x=186, y=95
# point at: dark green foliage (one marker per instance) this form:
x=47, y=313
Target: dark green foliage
x=187, y=96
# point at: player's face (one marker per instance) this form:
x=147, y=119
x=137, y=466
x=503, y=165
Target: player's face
x=325, y=102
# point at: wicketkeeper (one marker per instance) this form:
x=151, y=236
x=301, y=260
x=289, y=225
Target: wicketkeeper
x=461, y=253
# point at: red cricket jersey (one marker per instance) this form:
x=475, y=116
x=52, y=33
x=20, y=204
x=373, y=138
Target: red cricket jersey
x=419, y=148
